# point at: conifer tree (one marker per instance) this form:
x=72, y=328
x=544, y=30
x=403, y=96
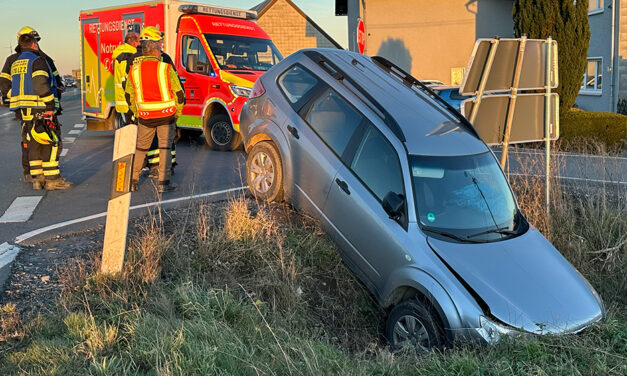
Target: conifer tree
x=566, y=21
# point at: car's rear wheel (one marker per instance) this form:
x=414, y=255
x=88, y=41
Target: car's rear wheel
x=220, y=135
x=415, y=326
x=264, y=172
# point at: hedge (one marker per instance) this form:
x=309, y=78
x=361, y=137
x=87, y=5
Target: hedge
x=606, y=127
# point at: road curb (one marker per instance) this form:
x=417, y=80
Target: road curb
x=8, y=252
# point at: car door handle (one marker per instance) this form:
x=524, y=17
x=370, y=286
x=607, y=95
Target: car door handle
x=183, y=79
x=343, y=186
x=293, y=131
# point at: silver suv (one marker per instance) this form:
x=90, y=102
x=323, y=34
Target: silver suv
x=416, y=201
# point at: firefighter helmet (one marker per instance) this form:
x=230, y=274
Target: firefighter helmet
x=151, y=33
x=28, y=30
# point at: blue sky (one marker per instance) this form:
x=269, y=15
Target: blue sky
x=57, y=23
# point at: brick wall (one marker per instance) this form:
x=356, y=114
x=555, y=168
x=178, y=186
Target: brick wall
x=289, y=30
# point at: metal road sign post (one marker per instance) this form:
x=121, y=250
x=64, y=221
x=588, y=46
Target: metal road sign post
x=116, y=227
x=547, y=122
x=511, y=81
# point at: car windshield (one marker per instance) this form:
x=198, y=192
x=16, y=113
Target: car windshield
x=243, y=53
x=465, y=198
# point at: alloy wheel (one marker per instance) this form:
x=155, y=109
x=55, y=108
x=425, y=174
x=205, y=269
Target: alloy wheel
x=409, y=331
x=261, y=172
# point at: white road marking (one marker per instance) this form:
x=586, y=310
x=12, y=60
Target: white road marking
x=79, y=126
x=42, y=230
x=75, y=131
x=64, y=152
x=7, y=114
x=69, y=140
x=21, y=209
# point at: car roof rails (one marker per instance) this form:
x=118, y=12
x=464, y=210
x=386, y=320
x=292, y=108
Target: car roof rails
x=340, y=75
x=410, y=81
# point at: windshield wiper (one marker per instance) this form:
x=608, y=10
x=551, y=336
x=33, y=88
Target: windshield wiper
x=449, y=235
x=502, y=230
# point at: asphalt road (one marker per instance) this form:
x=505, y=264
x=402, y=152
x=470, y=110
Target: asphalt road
x=200, y=170
x=88, y=165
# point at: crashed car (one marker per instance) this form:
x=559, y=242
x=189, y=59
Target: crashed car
x=416, y=201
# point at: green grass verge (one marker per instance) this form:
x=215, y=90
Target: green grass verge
x=261, y=290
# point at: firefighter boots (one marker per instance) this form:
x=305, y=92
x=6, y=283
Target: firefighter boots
x=57, y=184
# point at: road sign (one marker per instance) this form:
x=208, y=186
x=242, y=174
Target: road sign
x=528, y=120
x=117, y=210
x=361, y=36
x=498, y=57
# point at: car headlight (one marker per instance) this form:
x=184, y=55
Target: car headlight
x=492, y=331
x=240, y=91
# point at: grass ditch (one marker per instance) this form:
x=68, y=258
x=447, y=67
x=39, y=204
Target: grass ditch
x=244, y=288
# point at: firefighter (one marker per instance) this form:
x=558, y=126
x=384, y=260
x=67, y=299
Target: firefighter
x=32, y=99
x=152, y=33
x=56, y=80
x=121, y=56
x=156, y=97
x=56, y=85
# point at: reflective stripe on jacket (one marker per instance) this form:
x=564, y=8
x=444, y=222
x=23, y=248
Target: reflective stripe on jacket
x=120, y=57
x=25, y=93
x=153, y=94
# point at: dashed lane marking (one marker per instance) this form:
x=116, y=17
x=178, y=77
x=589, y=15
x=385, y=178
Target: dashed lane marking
x=7, y=114
x=75, y=131
x=69, y=140
x=64, y=152
x=42, y=230
x=21, y=209
x=79, y=126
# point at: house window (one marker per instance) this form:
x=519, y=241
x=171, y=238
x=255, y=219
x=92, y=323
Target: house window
x=593, y=76
x=595, y=6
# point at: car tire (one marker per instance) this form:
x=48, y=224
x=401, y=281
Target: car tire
x=220, y=135
x=118, y=121
x=413, y=325
x=264, y=172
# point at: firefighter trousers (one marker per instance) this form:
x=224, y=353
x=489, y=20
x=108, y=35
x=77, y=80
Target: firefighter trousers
x=165, y=135
x=25, y=143
x=152, y=156
x=43, y=158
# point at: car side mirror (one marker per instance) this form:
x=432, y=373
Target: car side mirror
x=393, y=205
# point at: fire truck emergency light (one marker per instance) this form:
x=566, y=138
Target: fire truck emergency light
x=218, y=11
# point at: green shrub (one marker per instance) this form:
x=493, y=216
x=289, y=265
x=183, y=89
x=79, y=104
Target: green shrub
x=605, y=127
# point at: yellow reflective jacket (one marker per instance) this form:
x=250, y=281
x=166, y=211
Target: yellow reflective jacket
x=121, y=56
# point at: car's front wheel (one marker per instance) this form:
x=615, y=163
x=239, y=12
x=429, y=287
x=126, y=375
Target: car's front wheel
x=264, y=172
x=220, y=135
x=413, y=325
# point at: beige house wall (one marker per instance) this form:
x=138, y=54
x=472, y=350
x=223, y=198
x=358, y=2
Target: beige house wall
x=433, y=39
x=289, y=30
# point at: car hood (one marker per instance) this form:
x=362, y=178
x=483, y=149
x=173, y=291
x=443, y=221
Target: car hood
x=525, y=282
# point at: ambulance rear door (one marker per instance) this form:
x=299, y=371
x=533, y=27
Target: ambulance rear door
x=90, y=82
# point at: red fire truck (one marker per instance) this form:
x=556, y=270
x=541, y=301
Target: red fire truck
x=218, y=53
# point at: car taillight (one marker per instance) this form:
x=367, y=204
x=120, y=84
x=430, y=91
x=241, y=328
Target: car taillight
x=258, y=90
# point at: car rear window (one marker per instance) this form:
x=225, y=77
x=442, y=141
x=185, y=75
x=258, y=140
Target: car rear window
x=296, y=82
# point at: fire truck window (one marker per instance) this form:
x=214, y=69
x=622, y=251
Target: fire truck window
x=234, y=52
x=194, y=56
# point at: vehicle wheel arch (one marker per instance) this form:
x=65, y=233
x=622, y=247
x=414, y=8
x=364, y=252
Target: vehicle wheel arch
x=214, y=107
x=417, y=284
x=269, y=132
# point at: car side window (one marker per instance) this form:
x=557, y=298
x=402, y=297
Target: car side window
x=296, y=82
x=194, y=57
x=377, y=165
x=334, y=120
